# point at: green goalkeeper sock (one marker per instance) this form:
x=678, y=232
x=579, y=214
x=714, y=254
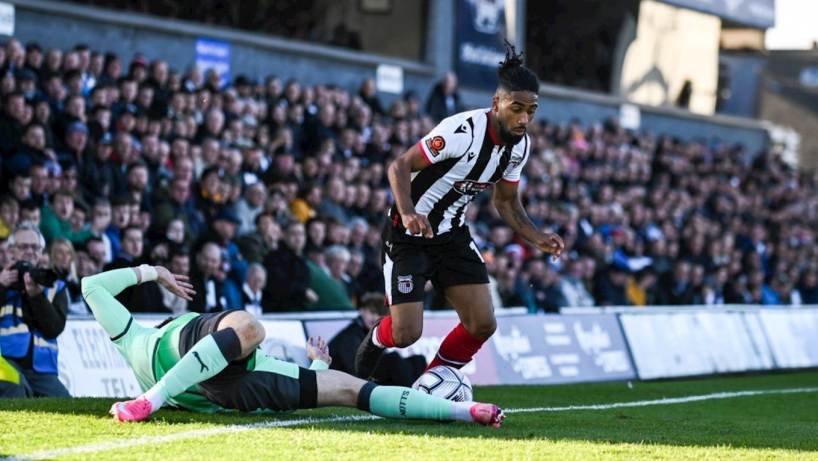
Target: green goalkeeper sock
x=203, y=361
x=404, y=403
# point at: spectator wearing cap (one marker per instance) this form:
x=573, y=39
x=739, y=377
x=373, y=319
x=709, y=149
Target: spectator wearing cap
x=11, y=123
x=34, y=58
x=56, y=219
x=75, y=151
x=74, y=111
x=138, y=69
x=98, y=175
x=222, y=232
x=27, y=84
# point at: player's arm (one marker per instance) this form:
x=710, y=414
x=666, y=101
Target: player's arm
x=400, y=178
x=507, y=202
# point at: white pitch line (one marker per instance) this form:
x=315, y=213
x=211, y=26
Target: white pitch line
x=180, y=436
x=297, y=422
x=664, y=401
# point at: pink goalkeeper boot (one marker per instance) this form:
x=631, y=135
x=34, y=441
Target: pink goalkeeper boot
x=487, y=414
x=133, y=410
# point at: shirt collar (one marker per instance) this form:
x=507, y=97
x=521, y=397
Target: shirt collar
x=493, y=135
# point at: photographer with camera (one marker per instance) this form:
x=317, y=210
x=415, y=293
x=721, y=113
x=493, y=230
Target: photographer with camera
x=32, y=314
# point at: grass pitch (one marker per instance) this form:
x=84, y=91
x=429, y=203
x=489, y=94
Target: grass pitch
x=725, y=425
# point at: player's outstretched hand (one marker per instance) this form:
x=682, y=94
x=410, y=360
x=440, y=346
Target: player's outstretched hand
x=319, y=350
x=551, y=243
x=175, y=283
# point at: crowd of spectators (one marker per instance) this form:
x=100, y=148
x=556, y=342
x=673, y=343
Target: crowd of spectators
x=271, y=194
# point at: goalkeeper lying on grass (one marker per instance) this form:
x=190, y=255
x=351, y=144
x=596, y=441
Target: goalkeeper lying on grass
x=211, y=362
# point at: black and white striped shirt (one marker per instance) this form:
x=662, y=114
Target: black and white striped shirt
x=465, y=157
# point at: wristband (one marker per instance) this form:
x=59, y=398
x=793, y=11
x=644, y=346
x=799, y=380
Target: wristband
x=149, y=273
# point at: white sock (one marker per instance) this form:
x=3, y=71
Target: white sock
x=375, y=337
x=155, y=398
x=461, y=411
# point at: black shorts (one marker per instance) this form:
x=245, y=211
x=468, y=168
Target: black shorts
x=239, y=386
x=407, y=266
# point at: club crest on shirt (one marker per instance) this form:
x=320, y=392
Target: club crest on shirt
x=515, y=161
x=405, y=284
x=435, y=145
x=468, y=187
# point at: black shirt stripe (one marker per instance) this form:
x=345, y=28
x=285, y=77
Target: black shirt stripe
x=438, y=211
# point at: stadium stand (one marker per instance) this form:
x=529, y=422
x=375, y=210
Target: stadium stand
x=648, y=219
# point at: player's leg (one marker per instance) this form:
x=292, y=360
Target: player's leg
x=405, y=271
x=335, y=388
x=465, y=283
x=235, y=335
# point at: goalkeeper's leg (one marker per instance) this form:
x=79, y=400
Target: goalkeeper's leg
x=336, y=388
x=237, y=335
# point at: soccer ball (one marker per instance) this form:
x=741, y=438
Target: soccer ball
x=446, y=382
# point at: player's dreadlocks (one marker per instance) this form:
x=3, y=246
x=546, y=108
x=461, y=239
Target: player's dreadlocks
x=515, y=77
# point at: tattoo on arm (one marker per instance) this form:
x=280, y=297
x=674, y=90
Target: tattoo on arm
x=519, y=217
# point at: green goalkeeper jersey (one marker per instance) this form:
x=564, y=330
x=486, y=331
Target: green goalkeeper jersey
x=151, y=352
